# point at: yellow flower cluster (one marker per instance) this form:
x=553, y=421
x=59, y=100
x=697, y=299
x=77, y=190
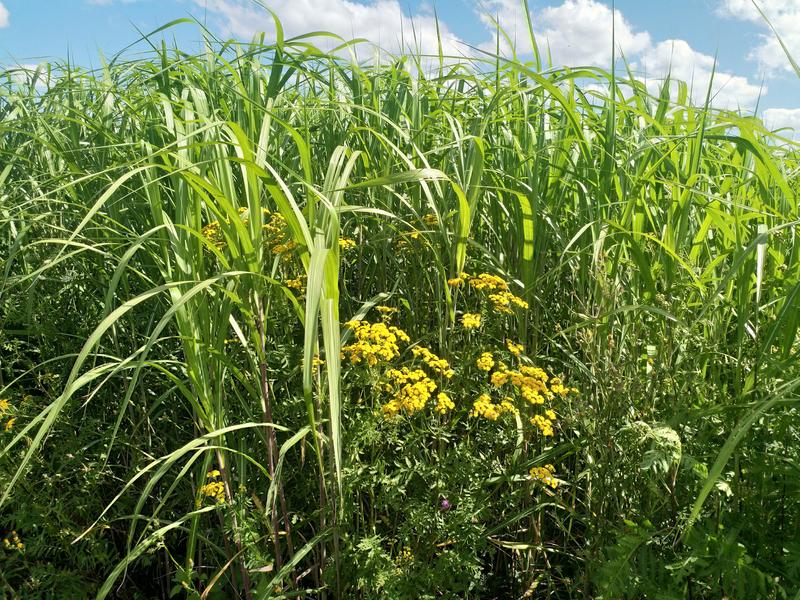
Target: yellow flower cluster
x=457, y=281
x=544, y=424
x=484, y=407
x=545, y=475
x=275, y=230
x=374, y=342
x=412, y=390
x=346, y=244
x=298, y=283
x=530, y=381
x=507, y=406
x=213, y=489
x=276, y=234
x=503, y=300
x=13, y=542
x=485, y=361
x=471, y=320
x=405, y=558
x=444, y=403
x=403, y=242
x=487, y=282
x=4, y=405
x=213, y=234
x=438, y=365
x=557, y=387
x=515, y=349
x=387, y=311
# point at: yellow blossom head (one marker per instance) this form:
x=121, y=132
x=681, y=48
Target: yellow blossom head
x=485, y=362
x=471, y=320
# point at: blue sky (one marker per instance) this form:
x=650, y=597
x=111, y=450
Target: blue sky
x=655, y=35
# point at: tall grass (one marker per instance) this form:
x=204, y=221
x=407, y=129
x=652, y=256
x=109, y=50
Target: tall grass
x=656, y=240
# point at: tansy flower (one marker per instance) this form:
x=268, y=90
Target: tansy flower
x=296, y=284
x=444, y=403
x=375, y=342
x=483, y=407
x=455, y=282
x=387, y=311
x=545, y=475
x=515, y=349
x=471, y=320
x=4, y=405
x=346, y=244
x=485, y=362
x=215, y=490
x=503, y=300
x=439, y=365
x=507, y=406
x=405, y=558
x=487, y=282
x=545, y=425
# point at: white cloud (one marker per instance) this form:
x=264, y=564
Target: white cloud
x=577, y=32
x=778, y=118
x=784, y=16
x=26, y=73
x=381, y=21
x=682, y=62
x=3, y=16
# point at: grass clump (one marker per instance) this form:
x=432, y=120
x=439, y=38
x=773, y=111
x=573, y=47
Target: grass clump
x=276, y=324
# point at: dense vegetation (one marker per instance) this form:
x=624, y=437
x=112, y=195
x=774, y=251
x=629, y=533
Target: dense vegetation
x=277, y=325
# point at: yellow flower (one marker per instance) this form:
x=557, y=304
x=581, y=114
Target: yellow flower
x=503, y=300
x=212, y=233
x=411, y=391
x=500, y=377
x=471, y=320
x=483, y=407
x=545, y=425
x=4, y=405
x=444, y=403
x=212, y=474
x=387, y=311
x=545, y=475
x=215, y=490
x=10, y=424
x=430, y=219
x=485, y=362
x=296, y=283
x=507, y=406
x=557, y=387
x=515, y=349
x=346, y=244
x=405, y=558
x=375, y=342
x=487, y=282
x=455, y=281
x=13, y=543
x=439, y=365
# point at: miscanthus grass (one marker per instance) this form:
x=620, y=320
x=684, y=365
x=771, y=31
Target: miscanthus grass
x=280, y=324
